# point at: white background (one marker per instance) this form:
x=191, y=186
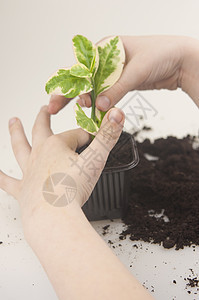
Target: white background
x=35, y=41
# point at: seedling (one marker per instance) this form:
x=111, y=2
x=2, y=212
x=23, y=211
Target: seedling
x=98, y=68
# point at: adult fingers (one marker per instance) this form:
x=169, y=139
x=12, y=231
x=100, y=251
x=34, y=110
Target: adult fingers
x=41, y=129
x=131, y=77
x=9, y=184
x=56, y=103
x=20, y=145
x=75, y=138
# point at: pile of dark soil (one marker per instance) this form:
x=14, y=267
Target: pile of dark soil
x=168, y=186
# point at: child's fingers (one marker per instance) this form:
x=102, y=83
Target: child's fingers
x=41, y=129
x=20, y=145
x=81, y=102
x=8, y=184
x=85, y=100
x=57, y=102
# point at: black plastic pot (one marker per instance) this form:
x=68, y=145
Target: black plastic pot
x=109, y=199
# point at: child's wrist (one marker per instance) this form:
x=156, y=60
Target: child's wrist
x=190, y=66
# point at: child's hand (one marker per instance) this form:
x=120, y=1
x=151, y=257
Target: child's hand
x=152, y=62
x=54, y=154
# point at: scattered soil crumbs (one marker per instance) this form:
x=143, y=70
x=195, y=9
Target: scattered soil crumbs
x=1, y=242
x=193, y=283
x=105, y=229
x=164, y=202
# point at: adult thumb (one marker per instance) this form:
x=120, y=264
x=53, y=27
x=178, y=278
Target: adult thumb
x=109, y=132
x=104, y=141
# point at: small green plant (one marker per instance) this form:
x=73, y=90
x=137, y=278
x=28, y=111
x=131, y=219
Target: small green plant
x=98, y=68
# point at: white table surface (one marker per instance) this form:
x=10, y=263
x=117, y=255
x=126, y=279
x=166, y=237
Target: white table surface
x=35, y=41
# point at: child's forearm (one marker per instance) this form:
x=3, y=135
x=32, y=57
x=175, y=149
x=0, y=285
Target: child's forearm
x=190, y=69
x=77, y=261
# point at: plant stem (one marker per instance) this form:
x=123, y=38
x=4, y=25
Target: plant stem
x=93, y=98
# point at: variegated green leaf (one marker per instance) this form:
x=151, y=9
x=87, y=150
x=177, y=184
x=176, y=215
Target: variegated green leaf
x=81, y=71
x=111, y=62
x=63, y=83
x=95, y=62
x=99, y=116
x=85, y=51
x=85, y=122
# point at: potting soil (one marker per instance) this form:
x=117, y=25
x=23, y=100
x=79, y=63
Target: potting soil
x=164, y=198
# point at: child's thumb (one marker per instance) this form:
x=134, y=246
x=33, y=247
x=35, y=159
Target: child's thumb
x=129, y=80
x=110, y=97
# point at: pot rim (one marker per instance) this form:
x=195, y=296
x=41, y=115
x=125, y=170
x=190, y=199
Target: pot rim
x=127, y=166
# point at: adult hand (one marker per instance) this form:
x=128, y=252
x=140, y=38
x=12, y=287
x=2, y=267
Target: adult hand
x=72, y=253
x=152, y=62
x=52, y=154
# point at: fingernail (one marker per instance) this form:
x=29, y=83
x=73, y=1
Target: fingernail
x=103, y=102
x=52, y=108
x=12, y=121
x=115, y=116
x=52, y=97
x=83, y=102
x=88, y=102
